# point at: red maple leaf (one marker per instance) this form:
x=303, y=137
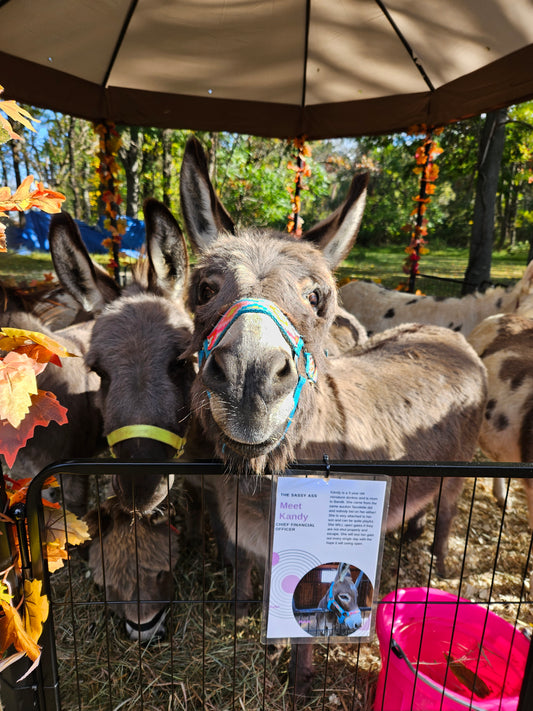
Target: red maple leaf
x=44, y=409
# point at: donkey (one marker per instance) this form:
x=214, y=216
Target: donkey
x=134, y=562
x=138, y=381
x=342, y=614
x=49, y=302
x=505, y=344
x=260, y=299
x=135, y=349
x=379, y=308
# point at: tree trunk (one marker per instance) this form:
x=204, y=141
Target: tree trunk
x=72, y=168
x=131, y=160
x=490, y=154
x=166, y=142
x=85, y=194
x=16, y=153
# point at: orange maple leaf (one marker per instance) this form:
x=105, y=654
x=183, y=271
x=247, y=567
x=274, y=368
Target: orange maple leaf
x=35, y=345
x=44, y=408
x=47, y=200
x=55, y=555
x=35, y=608
x=22, y=199
x=12, y=632
x=16, y=112
x=17, y=384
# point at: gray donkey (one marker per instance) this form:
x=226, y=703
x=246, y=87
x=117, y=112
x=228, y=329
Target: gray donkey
x=136, y=349
x=266, y=393
x=342, y=614
x=133, y=559
x=133, y=347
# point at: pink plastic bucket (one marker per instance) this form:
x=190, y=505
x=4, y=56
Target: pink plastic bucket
x=428, y=625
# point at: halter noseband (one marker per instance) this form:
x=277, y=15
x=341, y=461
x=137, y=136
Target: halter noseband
x=289, y=332
x=333, y=606
x=147, y=432
x=342, y=614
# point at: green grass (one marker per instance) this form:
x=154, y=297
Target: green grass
x=18, y=268
x=383, y=264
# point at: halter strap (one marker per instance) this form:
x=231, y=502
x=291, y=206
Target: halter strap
x=289, y=332
x=148, y=432
x=333, y=605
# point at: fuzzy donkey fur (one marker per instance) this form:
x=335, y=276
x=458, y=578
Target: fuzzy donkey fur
x=414, y=393
x=136, y=349
x=134, y=561
x=136, y=345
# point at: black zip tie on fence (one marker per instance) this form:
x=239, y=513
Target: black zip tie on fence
x=327, y=465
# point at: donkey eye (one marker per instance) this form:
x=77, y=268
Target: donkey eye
x=177, y=369
x=206, y=291
x=314, y=299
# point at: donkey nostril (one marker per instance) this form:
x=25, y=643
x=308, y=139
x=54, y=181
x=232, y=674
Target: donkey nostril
x=215, y=371
x=285, y=369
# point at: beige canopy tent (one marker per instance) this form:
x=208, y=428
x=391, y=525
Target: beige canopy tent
x=320, y=68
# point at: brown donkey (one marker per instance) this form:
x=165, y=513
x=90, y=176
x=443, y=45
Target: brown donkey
x=260, y=298
x=135, y=349
x=138, y=381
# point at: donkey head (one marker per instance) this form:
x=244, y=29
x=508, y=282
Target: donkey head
x=342, y=598
x=134, y=561
x=263, y=304
x=136, y=348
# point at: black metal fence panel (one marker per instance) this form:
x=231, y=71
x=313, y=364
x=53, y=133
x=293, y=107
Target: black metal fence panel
x=164, y=613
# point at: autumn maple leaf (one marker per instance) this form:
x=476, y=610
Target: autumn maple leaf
x=23, y=632
x=44, y=408
x=64, y=527
x=18, y=383
x=35, y=608
x=23, y=198
x=35, y=345
x=16, y=113
x=12, y=632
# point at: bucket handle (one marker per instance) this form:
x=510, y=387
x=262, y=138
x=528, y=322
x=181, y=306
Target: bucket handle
x=398, y=651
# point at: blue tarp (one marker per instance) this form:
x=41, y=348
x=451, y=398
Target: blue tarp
x=34, y=236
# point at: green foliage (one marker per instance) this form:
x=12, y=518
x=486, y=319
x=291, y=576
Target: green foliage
x=252, y=177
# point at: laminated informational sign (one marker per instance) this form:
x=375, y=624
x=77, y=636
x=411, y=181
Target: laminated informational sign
x=326, y=545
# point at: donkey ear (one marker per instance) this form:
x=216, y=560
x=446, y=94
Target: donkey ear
x=337, y=233
x=205, y=216
x=85, y=281
x=167, y=251
x=343, y=571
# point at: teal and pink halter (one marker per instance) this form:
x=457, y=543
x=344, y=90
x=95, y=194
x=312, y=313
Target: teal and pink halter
x=289, y=332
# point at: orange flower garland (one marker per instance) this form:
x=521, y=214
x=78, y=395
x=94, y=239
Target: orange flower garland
x=109, y=146
x=425, y=155
x=301, y=170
